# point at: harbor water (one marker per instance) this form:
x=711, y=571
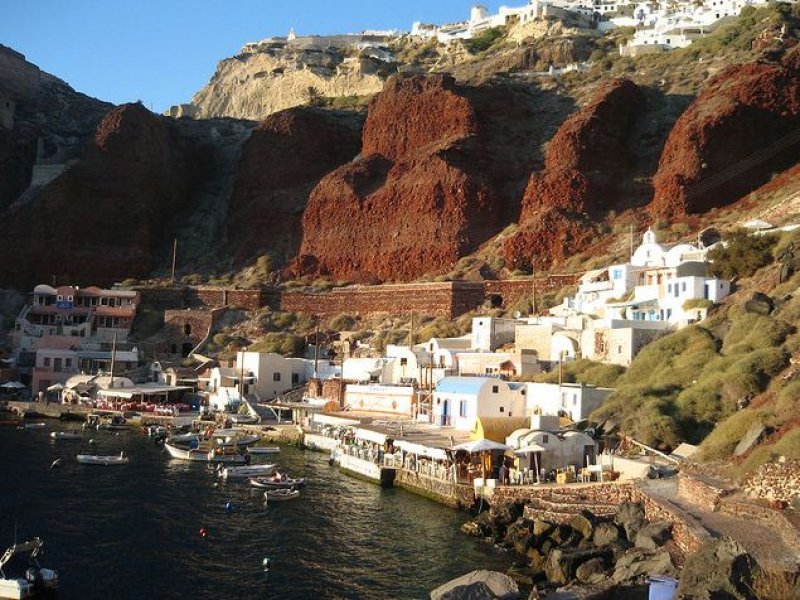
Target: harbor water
x=134, y=531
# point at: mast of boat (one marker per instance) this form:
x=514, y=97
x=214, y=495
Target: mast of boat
x=113, y=358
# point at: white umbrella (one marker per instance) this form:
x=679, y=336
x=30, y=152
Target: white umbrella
x=483, y=445
x=13, y=385
x=531, y=448
x=55, y=388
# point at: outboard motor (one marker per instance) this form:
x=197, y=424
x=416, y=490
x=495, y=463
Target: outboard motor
x=34, y=576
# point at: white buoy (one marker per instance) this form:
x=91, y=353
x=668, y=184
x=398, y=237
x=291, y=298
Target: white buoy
x=55, y=464
x=266, y=563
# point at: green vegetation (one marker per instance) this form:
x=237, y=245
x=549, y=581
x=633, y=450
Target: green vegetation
x=743, y=254
x=287, y=344
x=697, y=303
x=486, y=40
x=582, y=371
x=342, y=322
x=680, y=386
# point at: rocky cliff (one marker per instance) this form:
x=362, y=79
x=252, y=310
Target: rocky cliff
x=588, y=161
x=739, y=131
x=104, y=218
x=284, y=158
x=253, y=85
x=426, y=189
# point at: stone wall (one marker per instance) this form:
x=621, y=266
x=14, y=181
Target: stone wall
x=701, y=491
x=775, y=481
x=449, y=299
x=561, y=503
x=512, y=290
x=187, y=328
x=208, y=297
x=444, y=492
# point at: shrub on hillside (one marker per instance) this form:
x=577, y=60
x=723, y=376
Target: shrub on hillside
x=485, y=40
x=742, y=255
x=342, y=322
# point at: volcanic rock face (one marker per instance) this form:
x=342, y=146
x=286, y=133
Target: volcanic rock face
x=416, y=200
x=586, y=162
x=735, y=134
x=281, y=162
x=104, y=217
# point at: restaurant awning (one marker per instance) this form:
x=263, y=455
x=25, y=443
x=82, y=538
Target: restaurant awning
x=420, y=450
x=371, y=436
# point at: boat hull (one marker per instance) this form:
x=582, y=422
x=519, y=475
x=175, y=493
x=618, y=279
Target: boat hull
x=105, y=461
x=247, y=472
x=277, y=485
x=281, y=495
x=203, y=455
x=264, y=450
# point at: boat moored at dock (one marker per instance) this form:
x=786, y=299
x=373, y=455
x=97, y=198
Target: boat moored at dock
x=204, y=453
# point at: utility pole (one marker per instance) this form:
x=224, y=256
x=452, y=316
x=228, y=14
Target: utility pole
x=630, y=240
x=316, y=350
x=241, y=375
x=411, y=332
x=174, y=256
x=113, y=358
x=533, y=297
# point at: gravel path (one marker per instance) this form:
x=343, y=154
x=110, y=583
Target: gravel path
x=767, y=544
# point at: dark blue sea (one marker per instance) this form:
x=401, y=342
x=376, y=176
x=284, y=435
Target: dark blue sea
x=133, y=531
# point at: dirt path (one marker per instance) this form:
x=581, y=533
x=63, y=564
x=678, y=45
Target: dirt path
x=771, y=547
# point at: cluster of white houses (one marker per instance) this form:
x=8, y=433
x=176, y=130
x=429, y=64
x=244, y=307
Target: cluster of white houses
x=659, y=25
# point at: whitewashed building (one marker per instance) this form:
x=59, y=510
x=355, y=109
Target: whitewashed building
x=459, y=402
x=575, y=400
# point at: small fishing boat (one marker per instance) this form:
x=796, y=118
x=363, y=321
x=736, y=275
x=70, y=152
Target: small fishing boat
x=269, y=483
x=155, y=430
x=37, y=425
x=95, y=459
x=246, y=472
x=206, y=454
x=281, y=495
x=106, y=422
x=243, y=419
x=264, y=450
x=21, y=575
x=228, y=439
x=66, y=435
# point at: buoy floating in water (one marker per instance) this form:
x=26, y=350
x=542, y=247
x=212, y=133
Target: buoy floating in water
x=266, y=563
x=55, y=464
x=203, y=532
x=229, y=506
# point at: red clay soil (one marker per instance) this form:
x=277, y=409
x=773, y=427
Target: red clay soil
x=416, y=200
x=103, y=219
x=728, y=142
x=281, y=162
x=586, y=162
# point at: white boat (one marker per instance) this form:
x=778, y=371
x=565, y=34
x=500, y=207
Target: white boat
x=106, y=422
x=205, y=454
x=66, y=435
x=95, y=459
x=281, y=495
x=268, y=483
x=38, y=425
x=243, y=419
x=227, y=440
x=21, y=576
x=264, y=450
x=246, y=472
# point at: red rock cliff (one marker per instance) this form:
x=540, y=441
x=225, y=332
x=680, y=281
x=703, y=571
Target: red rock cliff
x=587, y=161
x=730, y=139
x=104, y=218
x=415, y=201
x=281, y=162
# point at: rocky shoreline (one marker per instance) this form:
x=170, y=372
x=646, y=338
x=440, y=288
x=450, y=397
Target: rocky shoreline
x=594, y=557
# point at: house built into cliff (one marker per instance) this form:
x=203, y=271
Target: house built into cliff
x=69, y=330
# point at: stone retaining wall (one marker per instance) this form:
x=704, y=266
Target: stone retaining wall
x=561, y=503
x=701, y=491
x=775, y=481
x=444, y=492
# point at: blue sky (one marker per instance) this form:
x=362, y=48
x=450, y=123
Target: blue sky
x=162, y=52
